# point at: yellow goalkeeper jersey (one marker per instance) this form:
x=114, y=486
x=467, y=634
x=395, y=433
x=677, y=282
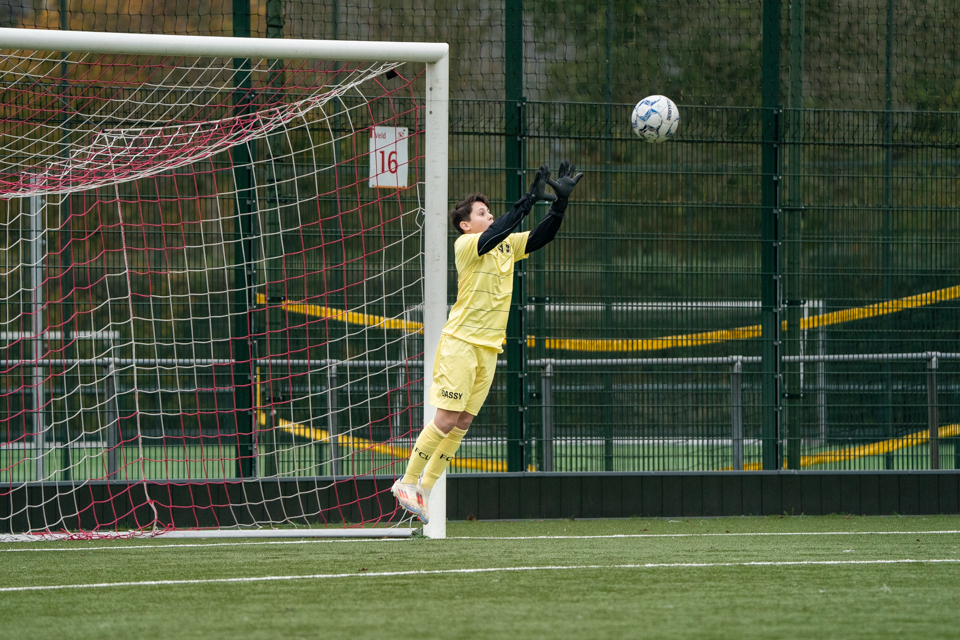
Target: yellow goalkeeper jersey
x=484, y=289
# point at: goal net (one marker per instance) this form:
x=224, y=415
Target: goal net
x=213, y=281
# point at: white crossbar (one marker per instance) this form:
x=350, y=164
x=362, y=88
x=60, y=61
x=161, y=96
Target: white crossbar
x=216, y=47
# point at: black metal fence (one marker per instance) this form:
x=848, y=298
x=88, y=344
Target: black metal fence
x=771, y=288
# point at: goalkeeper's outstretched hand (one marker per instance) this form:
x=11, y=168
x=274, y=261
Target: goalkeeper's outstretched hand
x=538, y=189
x=566, y=181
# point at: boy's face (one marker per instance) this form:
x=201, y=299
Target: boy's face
x=480, y=219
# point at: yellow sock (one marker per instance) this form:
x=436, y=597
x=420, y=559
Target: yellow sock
x=442, y=457
x=423, y=449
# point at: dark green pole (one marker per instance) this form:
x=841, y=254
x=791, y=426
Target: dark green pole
x=337, y=255
x=513, y=156
x=71, y=384
x=243, y=274
x=886, y=263
x=607, y=278
x=267, y=394
x=770, y=274
x=793, y=398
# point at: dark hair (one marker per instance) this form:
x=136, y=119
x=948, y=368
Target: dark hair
x=461, y=212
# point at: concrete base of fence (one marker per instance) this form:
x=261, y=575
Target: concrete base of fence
x=495, y=496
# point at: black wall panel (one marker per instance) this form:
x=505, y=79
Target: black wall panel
x=712, y=496
x=631, y=496
x=770, y=499
x=670, y=495
x=889, y=494
x=501, y=496
x=949, y=493
x=652, y=496
x=928, y=494
x=611, y=497
x=591, y=496
x=692, y=496
x=809, y=494
x=732, y=492
x=550, y=492
x=751, y=495
x=909, y=495
x=870, y=494
x=850, y=494
x=830, y=494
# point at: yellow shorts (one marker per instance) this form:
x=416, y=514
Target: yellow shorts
x=462, y=375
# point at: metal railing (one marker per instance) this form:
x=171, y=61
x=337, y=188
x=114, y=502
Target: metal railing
x=932, y=358
x=551, y=399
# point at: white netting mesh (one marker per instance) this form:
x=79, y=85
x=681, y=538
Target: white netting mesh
x=124, y=129
x=211, y=314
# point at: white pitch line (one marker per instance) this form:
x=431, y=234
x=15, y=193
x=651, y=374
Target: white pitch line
x=610, y=536
x=435, y=572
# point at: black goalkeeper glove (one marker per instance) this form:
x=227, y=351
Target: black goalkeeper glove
x=538, y=189
x=566, y=181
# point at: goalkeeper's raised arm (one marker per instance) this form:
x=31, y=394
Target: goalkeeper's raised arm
x=473, y=335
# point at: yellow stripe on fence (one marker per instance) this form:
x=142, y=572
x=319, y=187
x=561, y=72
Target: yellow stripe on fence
x=866, y=450
x=361, y=445
x=746, y=333
x=650, y=344
x=879, y=448
x=350, y=317
x=881, y=309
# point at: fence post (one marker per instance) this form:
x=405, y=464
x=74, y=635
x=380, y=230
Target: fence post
x=243, y=266
x=821, y=385
x=770, y=235
x=793, y=245
x=516, y=348
x=37, y=210
x=113, y=421
x=546, y=386
x=886, y=258
x=332, y=435
x=736, y=413
x=933, y=411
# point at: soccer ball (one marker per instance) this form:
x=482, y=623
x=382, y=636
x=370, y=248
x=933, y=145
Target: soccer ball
x=655, y=119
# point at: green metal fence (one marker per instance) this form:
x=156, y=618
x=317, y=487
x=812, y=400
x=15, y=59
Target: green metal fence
x=645, y=312
x=775, y=287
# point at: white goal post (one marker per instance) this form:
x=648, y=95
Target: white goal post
x=37, y=483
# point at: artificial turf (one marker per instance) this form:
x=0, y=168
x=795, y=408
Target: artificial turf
x=522, y=598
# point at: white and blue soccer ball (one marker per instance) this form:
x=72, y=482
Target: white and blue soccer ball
x=655, y=119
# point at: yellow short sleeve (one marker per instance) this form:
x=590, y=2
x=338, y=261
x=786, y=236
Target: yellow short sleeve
x=519, y=243
x=465, y=250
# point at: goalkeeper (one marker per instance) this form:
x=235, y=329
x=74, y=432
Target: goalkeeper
x=474, y=333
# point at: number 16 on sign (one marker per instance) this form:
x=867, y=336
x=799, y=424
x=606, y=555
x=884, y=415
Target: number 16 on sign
x=388, y=157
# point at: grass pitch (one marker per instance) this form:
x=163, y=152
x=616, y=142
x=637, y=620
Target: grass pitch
x=789, y=577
